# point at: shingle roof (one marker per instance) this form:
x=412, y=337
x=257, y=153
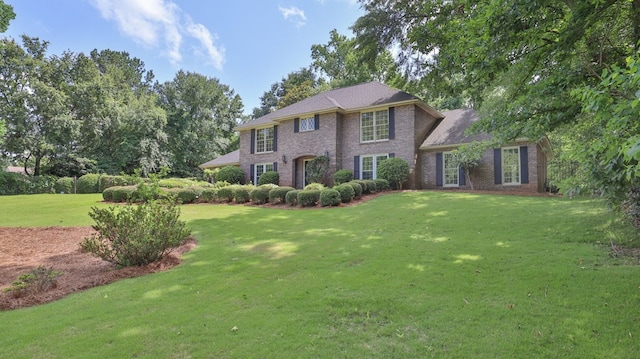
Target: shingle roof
x=231, y=158
x=350, y=98
x=451, y=130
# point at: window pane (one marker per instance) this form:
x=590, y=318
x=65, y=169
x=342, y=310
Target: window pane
x=367, y=167
x=366, y=127
x=382, y=125
x=307, y=124
x=511, y=165
x=451, y=171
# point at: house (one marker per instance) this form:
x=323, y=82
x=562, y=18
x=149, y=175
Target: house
x=357, y=127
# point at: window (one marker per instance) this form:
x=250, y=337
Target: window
x=451, y=171
x=264, y=140
x=260, y=169
x=374, y=126
x=369, y=165
x=307, y=124
x=511, y=165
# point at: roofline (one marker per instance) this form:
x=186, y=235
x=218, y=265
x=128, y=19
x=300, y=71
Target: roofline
x=220, y=165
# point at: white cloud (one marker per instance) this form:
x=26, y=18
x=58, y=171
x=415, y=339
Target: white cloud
x=156, y=23
x=293, y=14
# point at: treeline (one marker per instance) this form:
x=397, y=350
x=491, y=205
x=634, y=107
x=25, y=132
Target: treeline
x=103, y=112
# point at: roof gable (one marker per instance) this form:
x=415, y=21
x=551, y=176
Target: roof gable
x=451, y=130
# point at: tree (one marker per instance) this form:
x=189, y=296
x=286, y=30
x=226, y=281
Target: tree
x=6, y=15
x=468, y=156
x=395, y=170
x=201, y=114
x=295, y=87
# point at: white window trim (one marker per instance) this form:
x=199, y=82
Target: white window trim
x=259, y=150
x=264, y=169
x=375, y=165
x=311, y=121
x=519, y=182
x=444, y=172
x=374, y=125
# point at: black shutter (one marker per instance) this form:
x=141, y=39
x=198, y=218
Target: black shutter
x=497, y=165
x=439, y=169
x=462, y=178
x=392, y=155
x=316, y=121
x=524, y=164
x=392, y=123
x=275, y=166
x=275, y=138
x=356, y=167
x=252, y=173
x=253, y=141
x=296, y=125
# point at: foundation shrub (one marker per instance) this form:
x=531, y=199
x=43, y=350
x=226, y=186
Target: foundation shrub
x=382, y=185
x=291, y=198
x=342, y=176
x=346, y=192
x=231, y=174
x=357, y=189
x=308, y=197
x=242, y=194
x=330, y=197
x=260, y=195
x=269, y=177
x=278, y=194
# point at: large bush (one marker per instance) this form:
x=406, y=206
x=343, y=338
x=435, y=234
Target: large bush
x=357, y=189
x=342, y=176
x=317, y=169
x=346, y=192
x=64, y=185
x=308, y=197
x=279, y=194
x=260, y=195
x=226, y=193
x=269, y=177
x=292, y=197
x=135, y=235
x=231, y=174
x=382, y=184
x=13, y=183
x=209, y=195
x=107, y=181
x=242, y=194
x=88, y=183
x=395, y=170
x=330, y=197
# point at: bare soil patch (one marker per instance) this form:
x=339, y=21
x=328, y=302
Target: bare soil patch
x=24, y=249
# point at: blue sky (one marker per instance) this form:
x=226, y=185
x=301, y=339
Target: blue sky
x=246, y=44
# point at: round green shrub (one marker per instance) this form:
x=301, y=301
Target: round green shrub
x=185, y=195
x=308, y=197
x=226, y=193
x=292, y=197
x=395, y=170
x=241, y=194
x=342, y=176
x=88, y=183
x=271, y=177
x=278, y=194
x=329, y=197
x=107, y=194
x=231, y=174
x=382, y=184
x=64, y=185
x=107, y=181
x=260, y=195
x=357, y=189
x=346, y=192
x=123, y=193
x=209, y=195
x=371, y=186
x=315, y=186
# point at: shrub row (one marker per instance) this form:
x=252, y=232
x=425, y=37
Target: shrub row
x=17, y=183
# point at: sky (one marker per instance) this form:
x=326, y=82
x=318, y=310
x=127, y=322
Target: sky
x=246, y=44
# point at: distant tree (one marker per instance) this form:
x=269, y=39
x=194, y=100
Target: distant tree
x=201, y=116
x=291, y=89
x=6, y=15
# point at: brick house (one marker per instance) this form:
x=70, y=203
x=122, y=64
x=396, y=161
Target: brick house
x=357, y=127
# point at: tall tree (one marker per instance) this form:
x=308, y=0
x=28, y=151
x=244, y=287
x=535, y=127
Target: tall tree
x=6, y=15
x=201, y=116
x=294, y=87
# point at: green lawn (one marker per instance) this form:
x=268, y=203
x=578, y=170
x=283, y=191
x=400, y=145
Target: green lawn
x=406, y=275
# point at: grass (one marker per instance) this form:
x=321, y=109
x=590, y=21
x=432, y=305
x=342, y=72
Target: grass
x=406, y=275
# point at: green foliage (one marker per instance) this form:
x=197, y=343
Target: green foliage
x=231, y=174
x=357, y=188
x=260, y=195
x=308, y=197
x=135, y=235
x=631, y=206
x=382, y=185
x=269, y=177
x=6, y=15
x=395, y=170
x=342, y=176
x=107, y=181
x=468, y=156
x=119, y=194
x=292, y=197
x=279, y=194
x=330, y=197
x=367, y=186
x=315, y=186
x=346, y=192
x=209, y=195
x=184, y=195
x=241, y=194
x=226, y=193
x=37, y=280
x=107, y=194
x=88, y=183
x=316, y=169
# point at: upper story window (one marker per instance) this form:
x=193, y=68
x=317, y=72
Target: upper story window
x=264, y=140
x=374, y=126
x=511, y=165
x=307, y=124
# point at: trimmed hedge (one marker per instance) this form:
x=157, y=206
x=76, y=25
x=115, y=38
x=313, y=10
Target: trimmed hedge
x=292, y=197
x=357, y=189
x=231, y=174
x=88, y=183
x=241, y=194
x=308, y=197
x=107, y=181
x=329, y=197
x=260, y=195
x=368, y=186
x=122, y=193
x=209, y=195
x=184, y=195
x=279, y=194
x=64, y=185
x=315, y=186
x=346, y=192
x=226, y=194
x=382, y=185
x=269, y=177
x=342, y=176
